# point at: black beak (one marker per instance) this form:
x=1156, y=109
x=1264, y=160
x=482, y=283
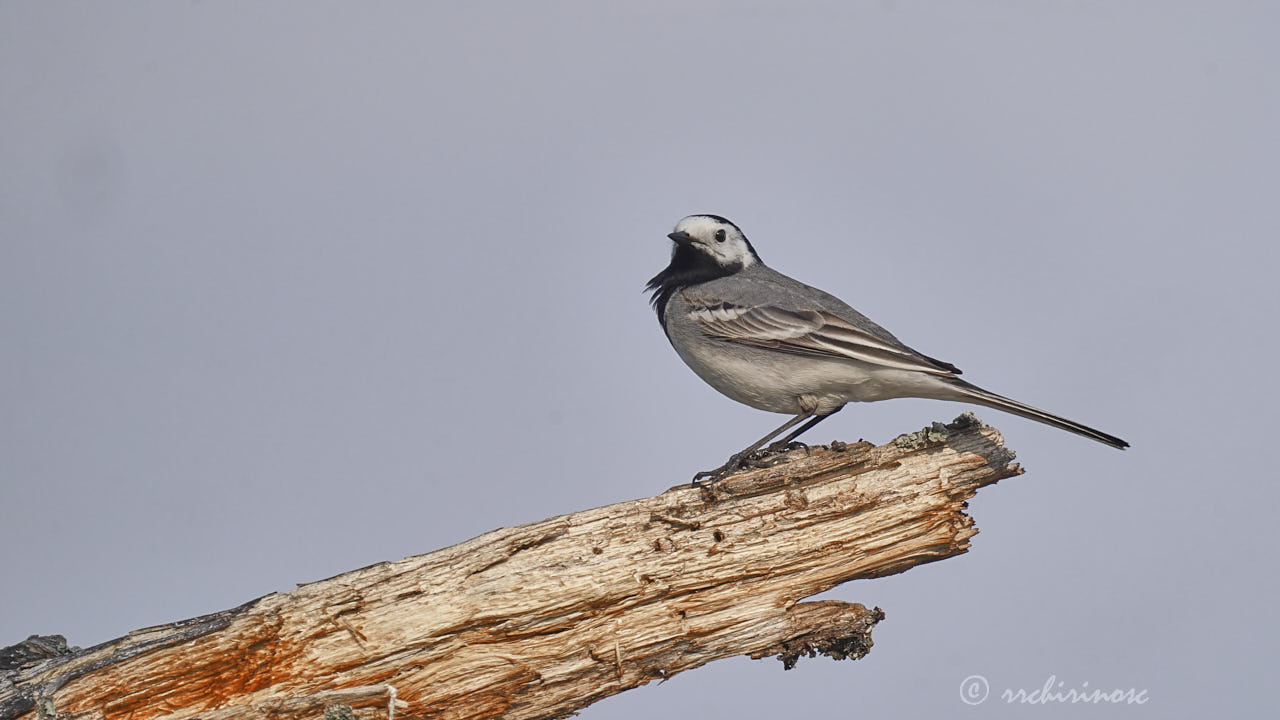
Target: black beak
x=682, y=238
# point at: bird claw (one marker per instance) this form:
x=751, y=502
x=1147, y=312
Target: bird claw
x=736, y=462
x=762, y=460
x=759, y=459
x=781, y=447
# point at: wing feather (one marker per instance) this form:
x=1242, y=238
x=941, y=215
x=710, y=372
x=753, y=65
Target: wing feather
x=814, y=333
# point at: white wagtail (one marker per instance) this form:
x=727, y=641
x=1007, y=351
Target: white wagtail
x=777, y=344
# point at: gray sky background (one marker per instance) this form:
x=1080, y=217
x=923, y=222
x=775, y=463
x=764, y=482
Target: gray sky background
x=287, y=289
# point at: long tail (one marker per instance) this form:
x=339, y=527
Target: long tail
x=999, y=402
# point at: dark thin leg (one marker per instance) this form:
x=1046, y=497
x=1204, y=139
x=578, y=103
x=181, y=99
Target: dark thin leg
x=785, y=443
x=737, y=460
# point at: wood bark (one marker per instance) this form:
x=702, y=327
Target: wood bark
x=541, y=620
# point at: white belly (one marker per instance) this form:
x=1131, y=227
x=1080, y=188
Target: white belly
x=786, y=383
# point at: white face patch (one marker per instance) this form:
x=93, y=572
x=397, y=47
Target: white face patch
x=720, y=240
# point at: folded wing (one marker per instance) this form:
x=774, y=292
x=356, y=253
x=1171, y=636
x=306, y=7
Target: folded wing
x=815, y=333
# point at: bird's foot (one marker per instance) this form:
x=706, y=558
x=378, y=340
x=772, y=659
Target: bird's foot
x=783, y=447
x=712, y=476
x=741, y=461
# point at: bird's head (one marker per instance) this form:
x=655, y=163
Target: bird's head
x=714, y=238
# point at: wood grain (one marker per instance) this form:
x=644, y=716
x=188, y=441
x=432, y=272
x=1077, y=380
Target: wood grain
x=541, y=620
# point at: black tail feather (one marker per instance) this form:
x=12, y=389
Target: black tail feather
x=999, y=402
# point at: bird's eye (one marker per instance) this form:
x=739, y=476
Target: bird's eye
x=719, y=236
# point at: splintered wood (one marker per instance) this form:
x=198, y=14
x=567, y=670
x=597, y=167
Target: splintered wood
x=541, y=620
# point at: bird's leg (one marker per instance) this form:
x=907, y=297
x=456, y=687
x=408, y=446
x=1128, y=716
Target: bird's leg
x=740, y=460
x=789, y=442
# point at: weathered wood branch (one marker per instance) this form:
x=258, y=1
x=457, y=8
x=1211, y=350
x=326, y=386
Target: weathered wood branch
x=540, y=620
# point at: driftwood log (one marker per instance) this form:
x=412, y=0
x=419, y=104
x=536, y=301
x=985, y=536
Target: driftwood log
x=541, y=620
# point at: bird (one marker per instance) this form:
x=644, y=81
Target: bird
x=776, y=344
